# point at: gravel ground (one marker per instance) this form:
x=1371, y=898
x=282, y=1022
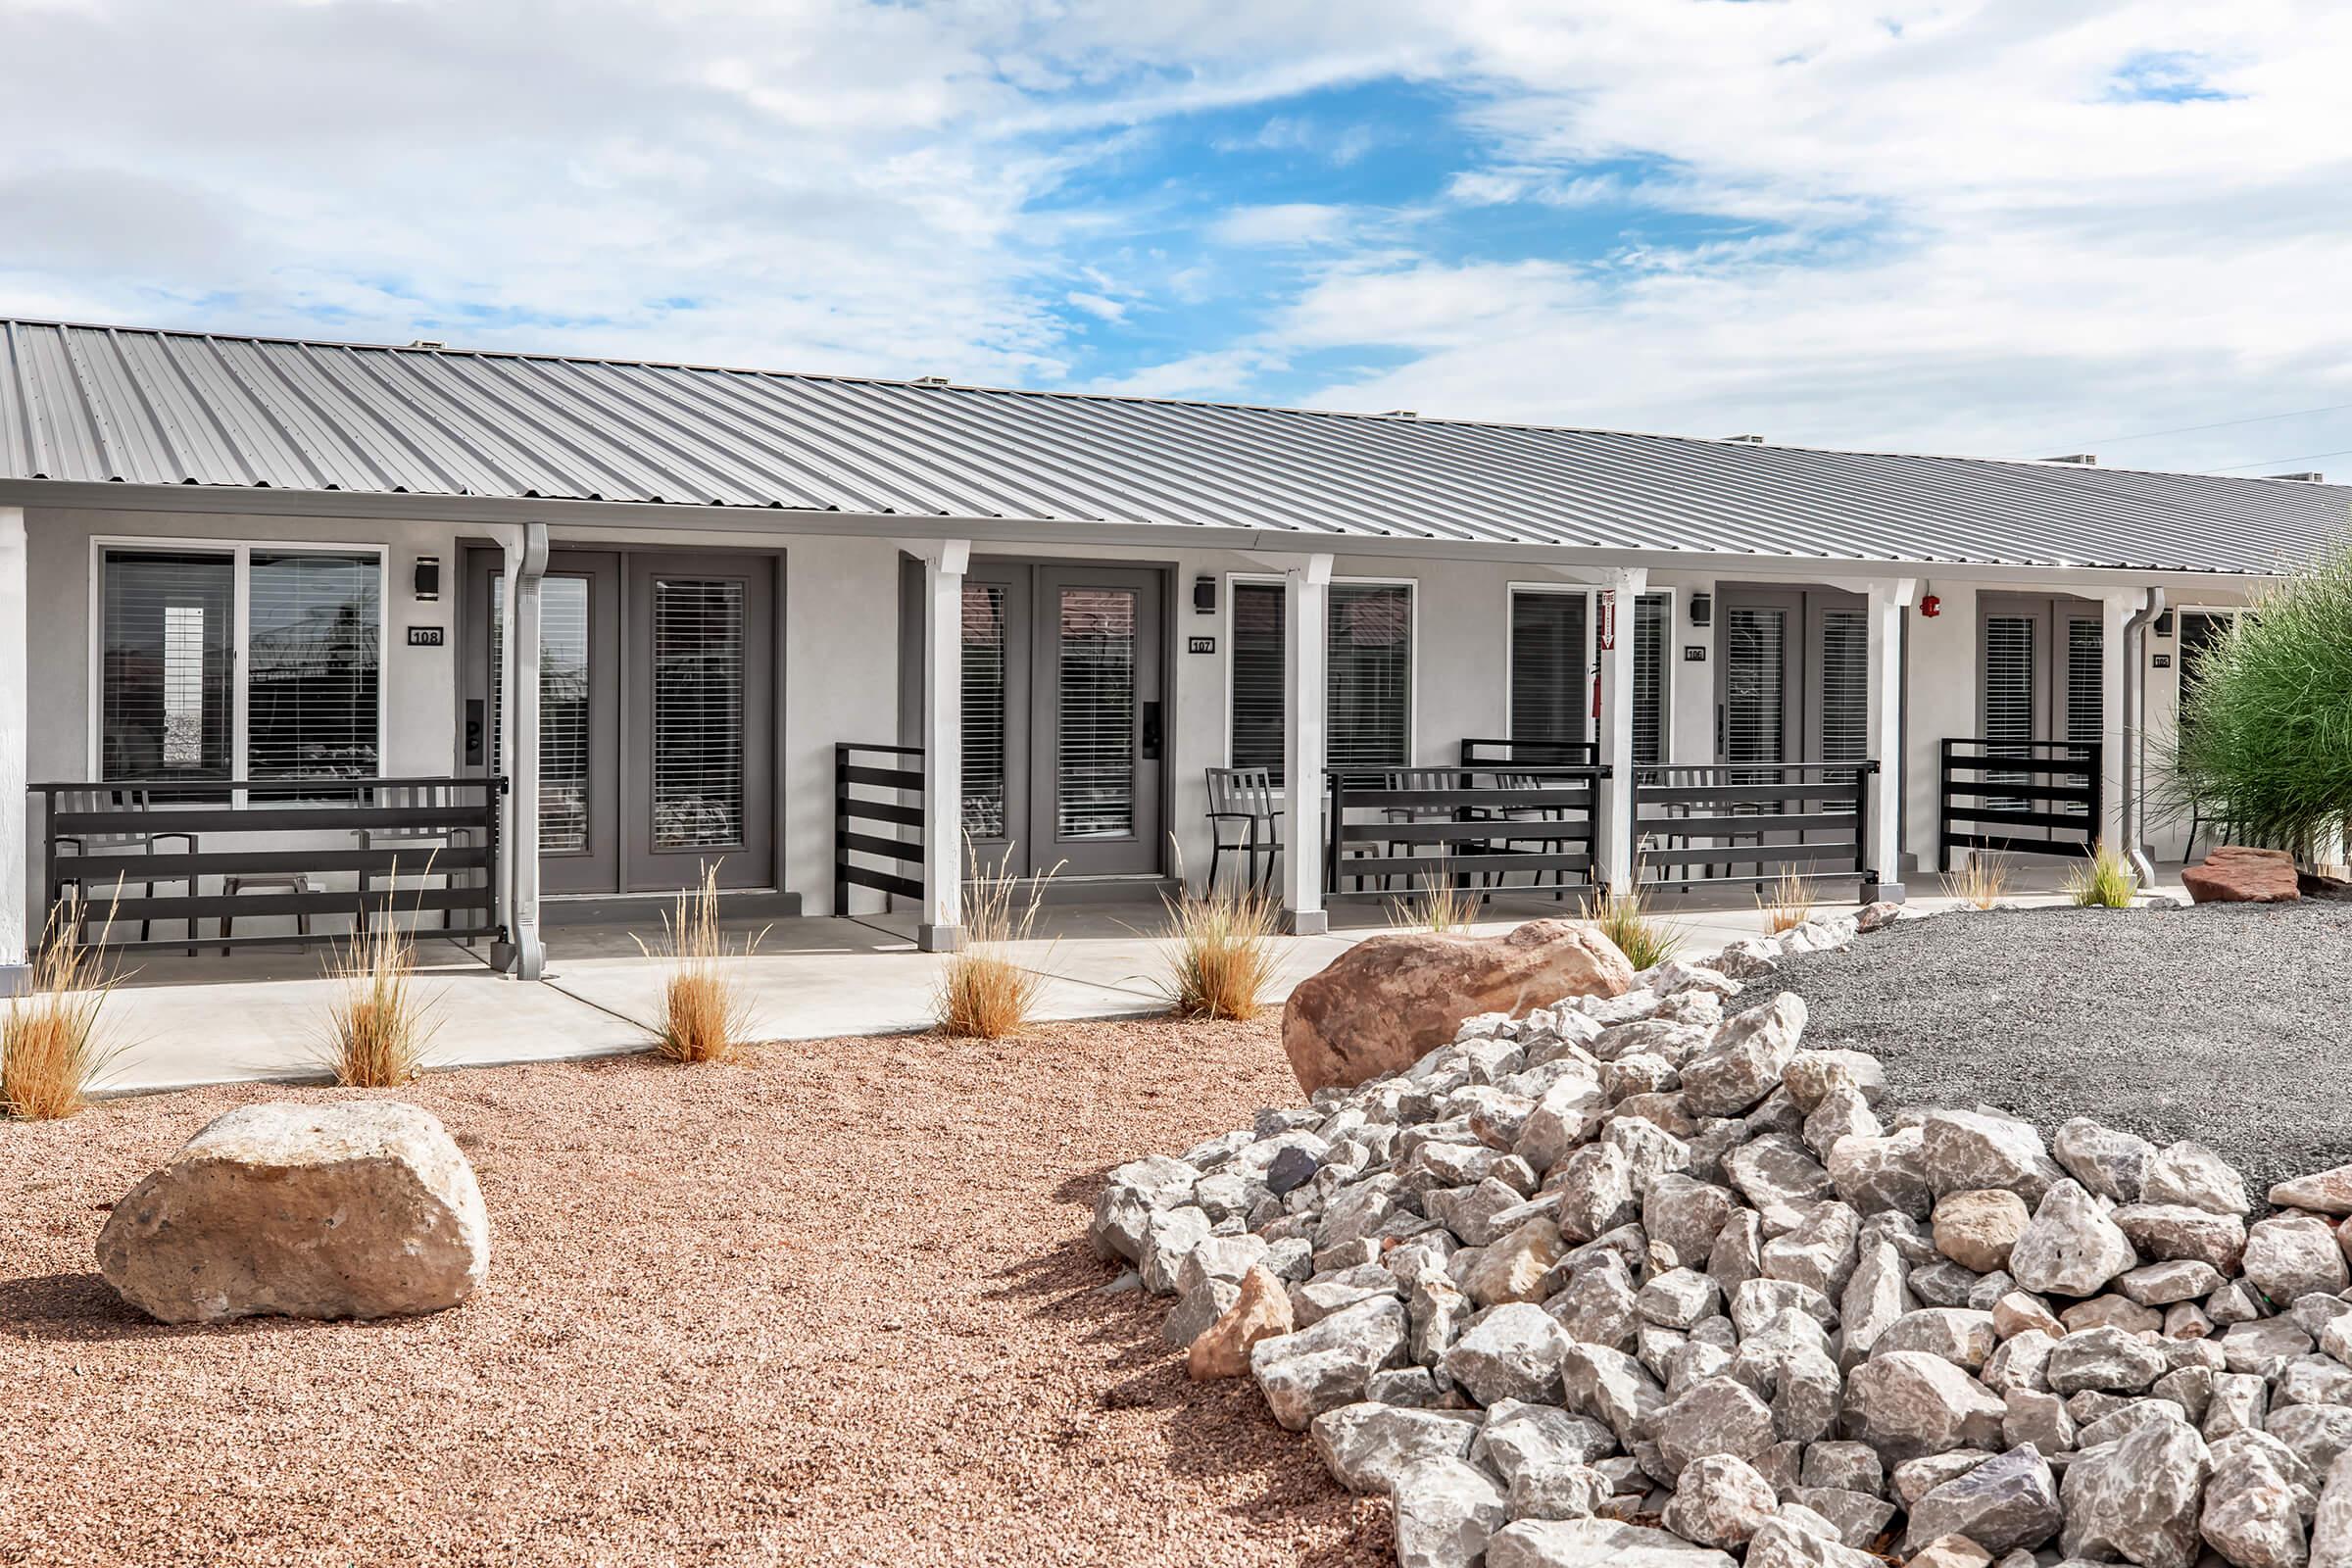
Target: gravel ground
x=2231, y=1024
x=832, y=1305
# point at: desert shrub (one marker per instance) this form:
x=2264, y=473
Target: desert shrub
x=2265, y=733
x=378, y=1028
x=1222, y=947
x=2104, y=880
x=1978, y=883
x=982, y=992
x=51, y=1052
x=705, y=1016
x=1626, y=919
x=1785, y=902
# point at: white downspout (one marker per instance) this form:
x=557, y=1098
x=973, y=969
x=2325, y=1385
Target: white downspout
x=526, y=551
x=1305, y=719
x=1617, y=604
x=2136, y=736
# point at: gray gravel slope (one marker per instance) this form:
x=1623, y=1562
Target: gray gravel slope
x=2231, y=1024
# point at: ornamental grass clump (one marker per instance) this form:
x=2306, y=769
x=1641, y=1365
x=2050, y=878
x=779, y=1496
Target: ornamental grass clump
x=2265, y=733
x=1626, y=919
x=51, y=1054
x=982, y=992
x=2105, y=880
x=1222, y=949
x=1978, y=883
x=1440, y=905
x=706, y=1014
x=1785, y=902
x=377, y=1030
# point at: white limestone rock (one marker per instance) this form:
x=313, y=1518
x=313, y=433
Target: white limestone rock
x=1445, y=1510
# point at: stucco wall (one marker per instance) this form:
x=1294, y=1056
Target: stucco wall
x=841, y=678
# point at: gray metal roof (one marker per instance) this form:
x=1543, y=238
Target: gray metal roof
x=150, y=408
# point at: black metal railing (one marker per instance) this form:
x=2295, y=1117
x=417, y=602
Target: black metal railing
x=1408, y=829
x=268, y=849
x=862, y=822
x=1486, y=752
x=1752, y=822
x=2018, y=796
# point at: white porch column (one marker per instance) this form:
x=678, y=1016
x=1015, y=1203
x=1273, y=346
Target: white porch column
x=2116, y=609
x=1620, y=587
x=526, y=550
x=1305, y=723
x=945, y=561
x=15, y=754
x=1889, y=598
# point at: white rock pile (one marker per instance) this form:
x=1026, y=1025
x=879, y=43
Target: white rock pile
x=1627, y=1282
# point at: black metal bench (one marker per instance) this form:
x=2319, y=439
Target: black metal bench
x=101, y=840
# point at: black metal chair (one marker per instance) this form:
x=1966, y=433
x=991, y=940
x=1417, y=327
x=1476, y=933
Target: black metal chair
x=130, y=804
x=1244, y=796
x=428, y=839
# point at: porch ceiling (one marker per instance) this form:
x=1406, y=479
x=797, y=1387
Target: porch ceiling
x=97, y=406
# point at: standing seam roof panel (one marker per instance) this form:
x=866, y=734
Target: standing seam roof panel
x=107, y=404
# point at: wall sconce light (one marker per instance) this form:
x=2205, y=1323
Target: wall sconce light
x=1702, y=609
x=1205, y=596
x=428, y=578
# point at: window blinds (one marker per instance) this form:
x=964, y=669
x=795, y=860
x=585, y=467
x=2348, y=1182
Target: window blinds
x=1844, y=686
x=1094, y=730
x=1651, y=613
x=164, y=701
x=564, y=675
x=2086, y=681
x=1257, y=676
x=311, y=692
x=698, y=714
x=1370, y=676
x=1754, y=685
x=1550, y=667
x=1368, y=685
x=982, y=685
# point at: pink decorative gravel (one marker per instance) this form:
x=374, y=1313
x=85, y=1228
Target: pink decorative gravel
x=831, y=1305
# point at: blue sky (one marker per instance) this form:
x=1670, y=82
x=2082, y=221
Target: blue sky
x=2010, y=229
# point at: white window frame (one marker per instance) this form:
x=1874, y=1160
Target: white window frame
x=240, y=552
x=1413, y=660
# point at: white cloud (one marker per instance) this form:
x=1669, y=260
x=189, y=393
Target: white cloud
x=1220, y=372
x=1281, y=224
x=1097, y=306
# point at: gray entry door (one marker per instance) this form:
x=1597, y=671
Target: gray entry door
x=1062, y=717
x=1096, y=740
x=700, y=772
x=657, y=712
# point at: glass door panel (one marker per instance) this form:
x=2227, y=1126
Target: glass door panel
x=579, y=614
x=1094, y=744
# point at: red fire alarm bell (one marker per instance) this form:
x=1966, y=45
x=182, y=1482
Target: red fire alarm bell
x=1930, y=607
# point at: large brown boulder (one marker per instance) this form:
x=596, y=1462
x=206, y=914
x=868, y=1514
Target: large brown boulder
x=1388, y=1001
x=365, y=1208
x=2237, y=875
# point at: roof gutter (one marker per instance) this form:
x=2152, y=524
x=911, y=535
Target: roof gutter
x=575, y=515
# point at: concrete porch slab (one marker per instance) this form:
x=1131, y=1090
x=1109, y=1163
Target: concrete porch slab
x=262, y=1014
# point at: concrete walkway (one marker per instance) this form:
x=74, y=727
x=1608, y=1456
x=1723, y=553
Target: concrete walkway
x=257, y=1014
